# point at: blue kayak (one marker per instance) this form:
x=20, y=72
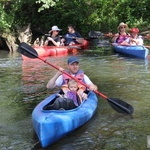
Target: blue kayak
x=134, y=51
x=51, y=125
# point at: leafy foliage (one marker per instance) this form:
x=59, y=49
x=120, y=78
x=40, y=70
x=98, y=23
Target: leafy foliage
x=46, y=4
x=86, y=15
x=6, y=20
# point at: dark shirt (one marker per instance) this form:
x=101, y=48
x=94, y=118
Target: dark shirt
x=70, y=37
x=56, y=39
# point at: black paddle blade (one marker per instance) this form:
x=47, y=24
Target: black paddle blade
x=27, y=50
x=94, y=34
x=120, y=106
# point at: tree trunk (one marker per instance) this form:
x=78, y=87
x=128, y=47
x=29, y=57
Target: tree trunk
x=24, y=35
x=11, y=43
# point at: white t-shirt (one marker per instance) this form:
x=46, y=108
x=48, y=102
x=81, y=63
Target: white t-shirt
x=138, y=40
x=59, y=80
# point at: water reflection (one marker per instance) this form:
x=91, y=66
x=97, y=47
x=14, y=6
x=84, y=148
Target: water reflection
x=23, y=87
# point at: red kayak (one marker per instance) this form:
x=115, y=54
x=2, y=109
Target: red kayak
x=46, y=51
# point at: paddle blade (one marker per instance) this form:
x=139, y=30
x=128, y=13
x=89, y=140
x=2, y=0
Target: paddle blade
x=94, y=34
x=27, y=50
x=120, y=106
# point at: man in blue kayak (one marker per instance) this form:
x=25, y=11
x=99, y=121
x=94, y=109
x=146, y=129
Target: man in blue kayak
x=71, y=37
x=60, y=79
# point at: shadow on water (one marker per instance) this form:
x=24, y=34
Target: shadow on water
x=23, y=87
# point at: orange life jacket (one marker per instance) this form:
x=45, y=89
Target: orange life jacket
x=80, y=76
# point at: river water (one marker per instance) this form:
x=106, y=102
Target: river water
x=22, y=87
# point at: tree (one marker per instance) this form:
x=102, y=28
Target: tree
x=20, y=17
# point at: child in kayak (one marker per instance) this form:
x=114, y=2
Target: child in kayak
x=74, y=91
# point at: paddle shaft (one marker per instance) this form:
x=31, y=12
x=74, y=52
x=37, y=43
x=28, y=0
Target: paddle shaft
x=48, y=35
x=147, y=46
x=97, y=92
x=113, y=35
x=100, y=94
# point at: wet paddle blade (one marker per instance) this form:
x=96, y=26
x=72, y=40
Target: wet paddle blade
x=120, y=106
x=27, y=50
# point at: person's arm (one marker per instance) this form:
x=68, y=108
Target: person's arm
x=46, y=43
x=51, y=83
x=81, y=92
x=53, y=41
x=126, y=42
x=115, y=38
x=56, y=80
x=89, y=83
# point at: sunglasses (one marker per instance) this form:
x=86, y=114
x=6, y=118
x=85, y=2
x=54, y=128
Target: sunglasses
x=122, y=27
x=56, y=31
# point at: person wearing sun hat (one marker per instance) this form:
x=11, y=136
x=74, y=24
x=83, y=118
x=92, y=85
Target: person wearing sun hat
x=122, y=34
x=122, y=24
x=134, y=39
x=60, y=79
x=54, y=28
x=54, y=38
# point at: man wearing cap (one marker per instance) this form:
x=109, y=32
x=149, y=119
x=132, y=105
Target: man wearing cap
x=73, y=69
x=54, y=39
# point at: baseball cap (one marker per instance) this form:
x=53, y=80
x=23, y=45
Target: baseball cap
x=72, y=60
x=134, y=30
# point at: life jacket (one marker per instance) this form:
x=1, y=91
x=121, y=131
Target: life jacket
x=79, y=75
x=77, y=99
x=122, y=38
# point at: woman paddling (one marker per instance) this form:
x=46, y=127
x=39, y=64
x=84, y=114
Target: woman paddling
x=122, y=35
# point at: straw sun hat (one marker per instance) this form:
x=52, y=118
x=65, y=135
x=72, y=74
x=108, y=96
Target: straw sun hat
x=122, y=24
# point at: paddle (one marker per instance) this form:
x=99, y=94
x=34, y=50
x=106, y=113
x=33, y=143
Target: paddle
x=147, y=46
x=97, y=34
x=78, y=39
x=117, y=104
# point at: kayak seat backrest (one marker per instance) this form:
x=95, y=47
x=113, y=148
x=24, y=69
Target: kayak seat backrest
x=60, y=103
